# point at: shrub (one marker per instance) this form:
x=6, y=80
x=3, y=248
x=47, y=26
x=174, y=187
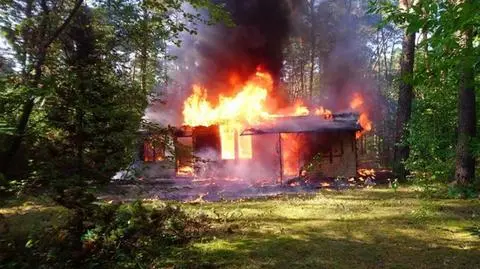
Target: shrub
x=107, y=236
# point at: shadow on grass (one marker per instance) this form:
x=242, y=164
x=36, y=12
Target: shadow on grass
x=374, y=194
x=419, y=234
x=474, y=230
x=317, y=250
x=327, y=244
x=21, y=223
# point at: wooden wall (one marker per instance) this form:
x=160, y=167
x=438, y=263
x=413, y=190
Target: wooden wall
x=342, y=160
x=335, y=152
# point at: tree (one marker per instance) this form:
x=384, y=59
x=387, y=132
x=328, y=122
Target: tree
x=38, y=31
x=442, y=130
x=313, y=45
x=467, y=120
x=92, y=116
x=81, y=70
x=405, y=97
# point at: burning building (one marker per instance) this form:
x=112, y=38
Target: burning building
x=246, y=135
x=278, y=149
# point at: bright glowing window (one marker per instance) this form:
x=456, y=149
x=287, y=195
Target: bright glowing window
x=228, y=137
x=245, y=147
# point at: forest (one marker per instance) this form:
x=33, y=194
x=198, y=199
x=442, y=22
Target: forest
x=363, y=114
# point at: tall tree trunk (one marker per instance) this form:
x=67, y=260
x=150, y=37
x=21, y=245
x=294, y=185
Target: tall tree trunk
x=313, y=46
x=385, y=51
x=144, y=50
x=21, y=128
x=465, y=161
x=143, y=68
x=302, y=76
x=405, y=97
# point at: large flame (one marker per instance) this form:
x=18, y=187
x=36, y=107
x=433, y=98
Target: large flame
x=247, y=106
x=231, y=113
x=291, y=150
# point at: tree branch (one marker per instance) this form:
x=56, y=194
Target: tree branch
x=65, y=23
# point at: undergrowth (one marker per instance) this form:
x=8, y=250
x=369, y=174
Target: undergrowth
x=106, y=236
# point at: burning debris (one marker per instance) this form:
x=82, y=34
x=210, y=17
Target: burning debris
x=193, y=190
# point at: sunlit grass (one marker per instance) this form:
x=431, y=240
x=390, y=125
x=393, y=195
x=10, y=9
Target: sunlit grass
x=373, y=228
x=27, y=216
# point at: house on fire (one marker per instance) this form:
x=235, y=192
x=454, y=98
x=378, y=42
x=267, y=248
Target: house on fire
x=278, y=149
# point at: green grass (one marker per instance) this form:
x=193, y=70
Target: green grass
x=30, y=215
x=370, y=228
x=374, y=228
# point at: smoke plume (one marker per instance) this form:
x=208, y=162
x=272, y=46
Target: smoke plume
x=342, y=30
x=229, y=55
x=220, y=57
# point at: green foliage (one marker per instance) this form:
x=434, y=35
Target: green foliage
x=433, y=126
x=109, y=236
x=129, y=235
x=86, y=129
x=162, y=138
x=314, y=165
x=144, y=28
x=96, y=76
x=394, y=184
x=466, y=192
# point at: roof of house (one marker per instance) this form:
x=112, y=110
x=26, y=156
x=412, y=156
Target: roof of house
x=305, y=124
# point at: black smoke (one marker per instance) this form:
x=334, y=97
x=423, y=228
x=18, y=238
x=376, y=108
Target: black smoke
x=257, y=40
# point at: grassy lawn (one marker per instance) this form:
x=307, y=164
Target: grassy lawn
x=30, y=215
x=374, y=228
x=370, y=228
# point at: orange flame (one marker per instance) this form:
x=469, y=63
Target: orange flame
x=301, y=109
x=327, y=114
x=292, y=147
x=366, y=172
x=245, y=106
x=185, y=171
x=231, y=113
x=357, y=103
